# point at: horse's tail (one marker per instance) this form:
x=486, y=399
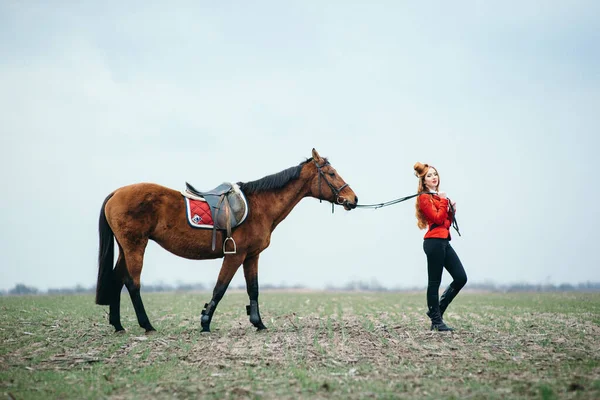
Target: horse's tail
x=105, y=288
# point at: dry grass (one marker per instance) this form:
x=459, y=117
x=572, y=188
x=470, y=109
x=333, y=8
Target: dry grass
x=319, y=345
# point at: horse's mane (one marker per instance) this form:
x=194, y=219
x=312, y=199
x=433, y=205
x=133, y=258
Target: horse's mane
x=274, y=181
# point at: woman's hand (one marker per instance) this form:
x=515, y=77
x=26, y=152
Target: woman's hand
x=442, y=195
x=453, y=205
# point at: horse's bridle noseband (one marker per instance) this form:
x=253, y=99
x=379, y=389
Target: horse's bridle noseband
x=336, y=192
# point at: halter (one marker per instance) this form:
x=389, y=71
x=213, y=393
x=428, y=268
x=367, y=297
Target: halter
x=336, y=192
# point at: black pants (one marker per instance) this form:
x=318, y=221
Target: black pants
x=440, y=254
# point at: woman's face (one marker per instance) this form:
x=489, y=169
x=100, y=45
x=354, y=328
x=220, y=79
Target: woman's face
x=431, y=179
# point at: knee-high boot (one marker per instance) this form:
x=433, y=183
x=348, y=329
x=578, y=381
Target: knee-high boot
x=433, y=305
x=437, y=323
x=447, y=297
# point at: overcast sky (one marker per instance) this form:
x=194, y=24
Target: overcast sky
x=503, y=97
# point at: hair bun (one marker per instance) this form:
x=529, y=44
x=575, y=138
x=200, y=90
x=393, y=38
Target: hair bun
x=420, y=168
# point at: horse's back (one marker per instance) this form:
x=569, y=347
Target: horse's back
x=145, y=188
x=143, y=200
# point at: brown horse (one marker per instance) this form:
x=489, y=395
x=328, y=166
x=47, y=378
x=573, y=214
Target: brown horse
x=136, y=213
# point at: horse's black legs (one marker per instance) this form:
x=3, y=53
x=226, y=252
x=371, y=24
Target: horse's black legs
x=120, y=270
x=251, y=275
x=136, y=299
x=231, y=263
x=114, y=317
x=133, y=251
x=209, y=308
x=252, y=311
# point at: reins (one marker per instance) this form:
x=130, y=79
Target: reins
x=454, y=223
x=401, y=199
x=388, y=203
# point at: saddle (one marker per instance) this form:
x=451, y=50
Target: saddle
x=228, y=207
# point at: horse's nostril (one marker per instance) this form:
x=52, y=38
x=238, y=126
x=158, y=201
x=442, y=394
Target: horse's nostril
x=355, y=199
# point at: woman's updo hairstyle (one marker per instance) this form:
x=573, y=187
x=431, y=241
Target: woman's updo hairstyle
x=420, y=172
x=420, y=169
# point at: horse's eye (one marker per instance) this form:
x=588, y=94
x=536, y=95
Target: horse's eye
x=332, y=174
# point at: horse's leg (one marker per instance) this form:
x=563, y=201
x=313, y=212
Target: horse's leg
x=134, y=259
x=251, y=275
x=231, y=263
x=136, y=299
x=119, y=274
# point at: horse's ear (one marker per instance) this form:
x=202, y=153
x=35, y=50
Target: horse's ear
x=316, y=155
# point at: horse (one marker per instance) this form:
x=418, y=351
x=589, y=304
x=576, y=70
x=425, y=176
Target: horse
x=134, y=214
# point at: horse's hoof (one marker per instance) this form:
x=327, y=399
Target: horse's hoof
x=150, y=331
x=207, y=330
x=119, y=331
x=261, y=327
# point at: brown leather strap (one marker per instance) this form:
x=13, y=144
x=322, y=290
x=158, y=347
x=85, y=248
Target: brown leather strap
x=218, y=208
x=227, y=216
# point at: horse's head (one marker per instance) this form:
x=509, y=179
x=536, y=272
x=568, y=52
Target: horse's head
x=328, y=185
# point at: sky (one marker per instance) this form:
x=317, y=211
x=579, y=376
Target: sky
x=502, y=97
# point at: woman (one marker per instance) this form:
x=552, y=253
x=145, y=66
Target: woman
x=436, y=212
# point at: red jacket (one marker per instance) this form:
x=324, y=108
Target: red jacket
x=438, y=218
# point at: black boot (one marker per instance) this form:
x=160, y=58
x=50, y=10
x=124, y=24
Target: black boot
x=437, y=323
x=446, y=299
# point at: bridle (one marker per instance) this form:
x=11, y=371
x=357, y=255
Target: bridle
x=336, y=192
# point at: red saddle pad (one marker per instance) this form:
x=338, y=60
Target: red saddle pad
x=198, y=213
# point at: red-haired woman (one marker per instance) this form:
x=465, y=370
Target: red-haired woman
x=435, y=212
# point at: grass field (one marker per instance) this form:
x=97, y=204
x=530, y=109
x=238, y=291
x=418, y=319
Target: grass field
x=319, y=345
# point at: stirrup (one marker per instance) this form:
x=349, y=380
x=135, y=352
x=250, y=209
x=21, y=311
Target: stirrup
x=234, y=246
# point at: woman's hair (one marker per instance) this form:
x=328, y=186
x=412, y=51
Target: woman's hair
x=420, y=172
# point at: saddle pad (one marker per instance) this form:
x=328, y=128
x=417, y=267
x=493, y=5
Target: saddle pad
x=198, y=213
